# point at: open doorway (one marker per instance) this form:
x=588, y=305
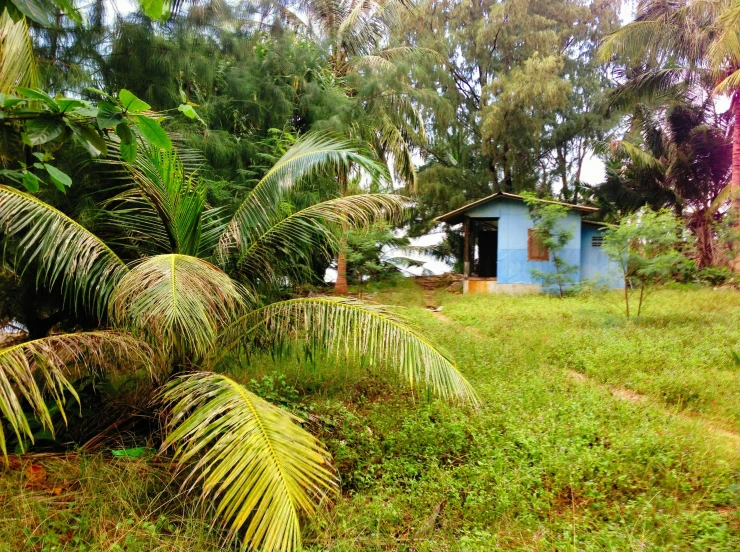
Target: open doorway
x=485, y=247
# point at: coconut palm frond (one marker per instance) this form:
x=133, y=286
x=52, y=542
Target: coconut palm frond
x=725, y=48
x=62, y=250
x=392, y=141
x=638, y=156
x=259, y=211
x=34, y=370
x=176, y=197
x=180, y=302
x=729, y=83
x=251, y=457
x=637, y=38
x=309, y=231
x=372, y=62
x=724, y=196
x=18, y=65
x=655, y=86
x=343, y=327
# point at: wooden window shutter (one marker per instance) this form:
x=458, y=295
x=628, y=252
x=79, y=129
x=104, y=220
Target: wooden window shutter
x=536, y=250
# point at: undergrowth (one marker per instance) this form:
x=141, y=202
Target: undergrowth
x=596, y=433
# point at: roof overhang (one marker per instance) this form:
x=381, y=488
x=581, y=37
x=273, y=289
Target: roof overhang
x=458, y=215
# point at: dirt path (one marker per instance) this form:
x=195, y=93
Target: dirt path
x=624, y=394
x=732, y=438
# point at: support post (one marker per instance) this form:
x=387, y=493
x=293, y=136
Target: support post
x=466, y=253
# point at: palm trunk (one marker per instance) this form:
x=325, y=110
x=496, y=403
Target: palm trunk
x=735, y=182
x=340, y=287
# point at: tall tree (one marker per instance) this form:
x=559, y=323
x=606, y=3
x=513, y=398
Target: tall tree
x=516, y=91
x=374, y=76
x=677, y=158
x=689, y=45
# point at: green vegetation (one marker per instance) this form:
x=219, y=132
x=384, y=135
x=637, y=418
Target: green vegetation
x=645, y=246
x=175, y=182
x=595, y=433
x=553, y=234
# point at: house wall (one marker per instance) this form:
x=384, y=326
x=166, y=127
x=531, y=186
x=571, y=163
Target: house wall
x=514, y=221
x=595, y=264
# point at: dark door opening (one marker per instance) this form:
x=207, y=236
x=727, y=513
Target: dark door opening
x=486, y=248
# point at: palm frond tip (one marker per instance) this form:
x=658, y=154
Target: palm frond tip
x=250, y=456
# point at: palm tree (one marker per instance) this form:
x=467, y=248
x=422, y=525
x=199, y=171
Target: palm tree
x=384, y=114
x=690, y=45
x=679, y=158
x=185, y=292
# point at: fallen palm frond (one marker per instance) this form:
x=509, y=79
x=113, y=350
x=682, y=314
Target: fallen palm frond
x=31, y=370
x=251, y=457
x=347, y=328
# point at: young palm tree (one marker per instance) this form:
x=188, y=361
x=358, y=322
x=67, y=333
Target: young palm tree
x=188, y=293
x=687, y=44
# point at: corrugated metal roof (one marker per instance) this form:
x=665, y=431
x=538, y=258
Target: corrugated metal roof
x=456, y=216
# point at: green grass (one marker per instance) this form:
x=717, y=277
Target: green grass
x=595, y=434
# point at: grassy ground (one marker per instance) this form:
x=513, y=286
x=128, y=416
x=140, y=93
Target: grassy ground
x=596, y=434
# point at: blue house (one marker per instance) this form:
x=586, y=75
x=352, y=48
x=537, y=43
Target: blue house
x=501, y=248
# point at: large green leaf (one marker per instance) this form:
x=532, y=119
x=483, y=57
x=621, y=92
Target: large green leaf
x=253, y=460
x=39, y=11
x=89, y=137
x=131, y=103
x=30, y=182
x=44, y=129
x=154, y=133
x=109, y=115
x=128, y=142
x=40, y=95
x=153, y=8
x=60, y=179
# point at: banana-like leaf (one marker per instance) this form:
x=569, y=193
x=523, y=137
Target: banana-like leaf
x=260, y=210
x=298, y=236
x=180, y=302
x=62, y=250
x=252, y=458
x=347, y=328
x=18, y=65
x=41, y=368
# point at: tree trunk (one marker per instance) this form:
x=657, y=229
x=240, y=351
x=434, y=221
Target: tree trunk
x=340, y=287
x=735, y=182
